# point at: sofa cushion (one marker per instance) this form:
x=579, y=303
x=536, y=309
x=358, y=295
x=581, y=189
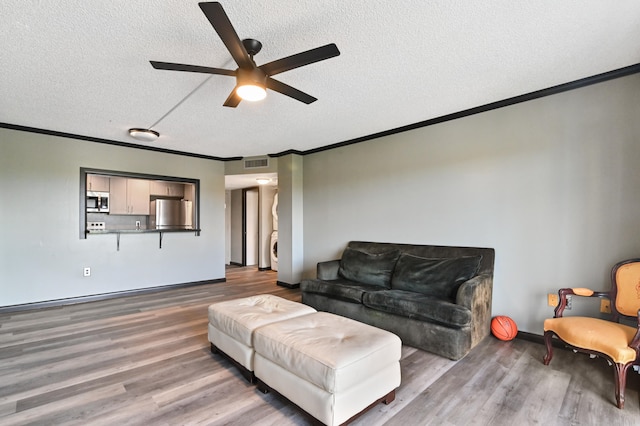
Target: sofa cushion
x=418, y=306
x=341, y=288
x=367, y=268
x=434, y=277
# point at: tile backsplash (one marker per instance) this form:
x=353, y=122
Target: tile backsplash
x=119, y=221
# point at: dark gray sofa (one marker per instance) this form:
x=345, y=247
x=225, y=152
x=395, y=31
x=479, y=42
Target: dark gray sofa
x=436, y=298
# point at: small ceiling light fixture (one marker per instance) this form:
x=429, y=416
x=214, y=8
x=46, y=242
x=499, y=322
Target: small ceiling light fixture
x=263, y=181
x=145, y=135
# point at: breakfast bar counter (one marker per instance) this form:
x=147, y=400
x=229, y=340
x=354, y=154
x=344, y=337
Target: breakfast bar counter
x=159, y=231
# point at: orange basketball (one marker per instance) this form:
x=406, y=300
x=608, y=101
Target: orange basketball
x=503, y=327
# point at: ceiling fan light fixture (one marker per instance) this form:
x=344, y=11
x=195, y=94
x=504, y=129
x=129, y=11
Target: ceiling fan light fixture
x=251, y=84
x=145, y=135
x=251, y=92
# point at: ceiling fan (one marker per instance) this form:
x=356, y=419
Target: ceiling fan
x=251, y=80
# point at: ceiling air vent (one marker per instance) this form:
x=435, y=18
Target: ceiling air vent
x=256, y=163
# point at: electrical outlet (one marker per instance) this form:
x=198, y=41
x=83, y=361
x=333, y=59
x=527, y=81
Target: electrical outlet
x=552, y=299
x=87, y=272
x=569, y=302
x=605, y=306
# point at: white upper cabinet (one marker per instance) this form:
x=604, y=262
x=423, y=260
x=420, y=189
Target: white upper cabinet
x=129, y=196
x=97, y=183
x=167, y=189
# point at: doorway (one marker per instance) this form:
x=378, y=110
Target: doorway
x=249, y=221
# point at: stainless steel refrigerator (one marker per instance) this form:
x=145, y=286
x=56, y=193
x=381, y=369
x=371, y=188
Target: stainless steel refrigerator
x=171, y=214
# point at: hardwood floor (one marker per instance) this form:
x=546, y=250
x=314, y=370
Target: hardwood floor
x=145, y=359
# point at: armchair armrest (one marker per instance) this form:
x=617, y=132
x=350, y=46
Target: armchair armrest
x=328, y=270
x=635, y=342
x=577, y=291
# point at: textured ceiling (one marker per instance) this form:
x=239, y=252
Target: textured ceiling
x=82, y=67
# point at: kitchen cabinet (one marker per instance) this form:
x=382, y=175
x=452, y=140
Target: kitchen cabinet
x=165, y=188
x=189, y=192
x=129, y=196
x=97, y=183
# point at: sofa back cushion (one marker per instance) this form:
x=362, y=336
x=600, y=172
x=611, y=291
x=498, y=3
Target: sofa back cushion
x=431, y=252
x=367, y=268
x=434, y=277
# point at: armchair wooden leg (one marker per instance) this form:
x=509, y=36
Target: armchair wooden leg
x=548, y=337
x=620, y=379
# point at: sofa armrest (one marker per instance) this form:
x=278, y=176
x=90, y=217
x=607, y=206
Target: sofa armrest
x=476, y=294
x=328, y=270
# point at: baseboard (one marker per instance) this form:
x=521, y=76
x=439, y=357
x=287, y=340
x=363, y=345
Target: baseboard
x=539, y=338
x=268, y=268
x=103, y=296
x=287, y=285
x=531, y=337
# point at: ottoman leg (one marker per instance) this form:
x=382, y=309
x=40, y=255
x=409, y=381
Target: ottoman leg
x=389, y=398
x=248, y=375
x=262, y=386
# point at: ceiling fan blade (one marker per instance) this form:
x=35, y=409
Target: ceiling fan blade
x=233, y=100
x=220, y=22
x=190, y=68
x=300, y=59
x=292, y=92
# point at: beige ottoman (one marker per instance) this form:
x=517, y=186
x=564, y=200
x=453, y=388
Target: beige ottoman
x=232, y=323
x=332, y=367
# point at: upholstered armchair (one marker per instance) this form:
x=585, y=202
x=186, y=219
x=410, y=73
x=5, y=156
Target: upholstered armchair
x=616, y=342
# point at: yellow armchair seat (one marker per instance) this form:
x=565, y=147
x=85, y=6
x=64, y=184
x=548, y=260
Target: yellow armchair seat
x=598, y=335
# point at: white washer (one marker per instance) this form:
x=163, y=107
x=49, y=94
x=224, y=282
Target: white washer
x=274, y=250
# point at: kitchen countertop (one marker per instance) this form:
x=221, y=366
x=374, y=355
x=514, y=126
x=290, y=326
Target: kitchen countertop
x=117, y=232
x=138, y=231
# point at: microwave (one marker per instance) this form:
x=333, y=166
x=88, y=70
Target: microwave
x=97, y=202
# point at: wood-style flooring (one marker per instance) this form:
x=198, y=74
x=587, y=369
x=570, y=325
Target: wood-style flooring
x=145, y=360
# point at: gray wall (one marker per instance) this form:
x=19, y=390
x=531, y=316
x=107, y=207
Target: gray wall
x=551, y=184
x=290, y=219
x=41, y=252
